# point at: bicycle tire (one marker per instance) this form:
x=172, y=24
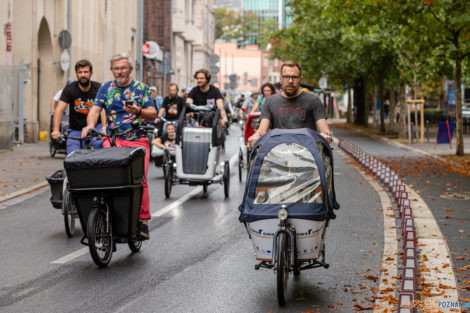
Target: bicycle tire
x=226, y=179
x=168, y=180
x=69, y=214
x=101, y=250
x=240, y=165
x=134, y=244
x=282, y=273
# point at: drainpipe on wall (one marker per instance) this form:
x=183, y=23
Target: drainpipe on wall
x=140, y=39
x=69, y=28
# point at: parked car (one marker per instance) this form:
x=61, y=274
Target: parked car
x=466, y=111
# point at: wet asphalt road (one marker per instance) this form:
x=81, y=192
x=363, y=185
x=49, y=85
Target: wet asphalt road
x=199, y=258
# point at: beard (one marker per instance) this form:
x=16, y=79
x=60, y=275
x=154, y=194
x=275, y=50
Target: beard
x=122, y=80
x=84, y=82
x=291, y=93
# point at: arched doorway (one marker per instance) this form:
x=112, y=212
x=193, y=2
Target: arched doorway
x=46, y=77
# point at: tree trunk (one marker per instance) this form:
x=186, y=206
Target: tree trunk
x=458, y=110
x=349, y=115
x=403, y=111
x=374, y=106
x=391, y=113
x=382, y=106
x=360, y=103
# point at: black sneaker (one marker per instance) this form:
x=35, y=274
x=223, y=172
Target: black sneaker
x=144, y=231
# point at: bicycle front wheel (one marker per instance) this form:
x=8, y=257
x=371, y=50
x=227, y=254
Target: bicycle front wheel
x=100, y=238
x=282, y=268
x=69, y=212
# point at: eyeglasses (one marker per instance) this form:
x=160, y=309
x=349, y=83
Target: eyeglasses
x=287, y=78
x=122, y=69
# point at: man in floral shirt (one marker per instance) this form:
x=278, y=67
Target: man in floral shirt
x=124, y=100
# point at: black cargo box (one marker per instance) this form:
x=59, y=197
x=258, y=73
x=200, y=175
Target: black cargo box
x=56, y=181
x=110, y=167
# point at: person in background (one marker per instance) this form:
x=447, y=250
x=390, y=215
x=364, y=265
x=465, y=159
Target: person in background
x=167, y=140
x=249, y=104
x=172, y=106
x=240, y=101
x=78, y=96
x=228, y=110
x=125, y=100
x=267, y=89
x=186, y=92
x=206, y=94
x=157, y=99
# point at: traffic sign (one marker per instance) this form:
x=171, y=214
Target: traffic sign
x=145, y=49
x=323, y=83
x=64, y=61
x=65, y=39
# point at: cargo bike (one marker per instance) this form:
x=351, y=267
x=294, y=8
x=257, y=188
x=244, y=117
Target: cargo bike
x=197, y=152
x=288, y=202
x=105, y=186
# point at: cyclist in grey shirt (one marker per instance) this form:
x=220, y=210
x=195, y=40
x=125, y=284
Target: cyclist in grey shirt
x=293, y=108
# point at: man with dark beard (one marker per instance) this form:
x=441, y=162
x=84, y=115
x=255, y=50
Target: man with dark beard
x=293, y=108
x=79, y=96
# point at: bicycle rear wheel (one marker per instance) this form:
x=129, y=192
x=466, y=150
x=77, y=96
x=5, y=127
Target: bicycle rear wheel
x=100, y=238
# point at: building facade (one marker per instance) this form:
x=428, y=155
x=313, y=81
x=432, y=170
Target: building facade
x=98, y=29
x=184, y=31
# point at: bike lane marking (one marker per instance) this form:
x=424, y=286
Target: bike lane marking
x=434, y=257
x=158, y=213
x=388, y=272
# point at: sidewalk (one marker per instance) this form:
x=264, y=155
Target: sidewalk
x=24, y=169
x=442, y=152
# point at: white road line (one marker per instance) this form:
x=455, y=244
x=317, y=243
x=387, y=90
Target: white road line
x=71, y=256
x=158, y=213
x=433, y=245
x=389, y=259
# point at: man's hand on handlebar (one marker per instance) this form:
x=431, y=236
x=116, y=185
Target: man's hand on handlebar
x=253, y=139
x=85, y=131
x=55, y=134
x=328, y=136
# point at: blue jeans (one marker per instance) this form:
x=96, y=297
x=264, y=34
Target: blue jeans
x=73, y=144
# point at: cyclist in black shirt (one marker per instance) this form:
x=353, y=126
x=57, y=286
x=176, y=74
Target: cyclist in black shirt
x=79, y=96
x=206, y=94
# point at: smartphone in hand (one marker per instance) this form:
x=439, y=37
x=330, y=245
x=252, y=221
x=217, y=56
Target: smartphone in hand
x=129, y=103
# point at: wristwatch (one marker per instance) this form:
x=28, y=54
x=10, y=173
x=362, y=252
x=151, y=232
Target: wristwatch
x=140, y=112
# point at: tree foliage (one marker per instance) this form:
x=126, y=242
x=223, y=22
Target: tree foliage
x=380, y=42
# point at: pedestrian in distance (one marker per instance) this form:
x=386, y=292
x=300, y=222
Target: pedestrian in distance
x=267, y=89
x=293, y=108
x=78, y=96
x=125, y=100
x=205, y=94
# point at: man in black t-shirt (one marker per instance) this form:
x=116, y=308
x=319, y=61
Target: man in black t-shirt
x=293, y=108
x=172, y=106
x=79, y=96
x=205, y=94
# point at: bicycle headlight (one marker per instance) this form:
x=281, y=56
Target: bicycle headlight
x=282, y=214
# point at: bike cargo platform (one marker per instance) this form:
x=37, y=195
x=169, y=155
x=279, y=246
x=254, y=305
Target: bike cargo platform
x=124, y=201
x=110, y=167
